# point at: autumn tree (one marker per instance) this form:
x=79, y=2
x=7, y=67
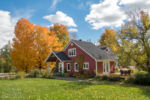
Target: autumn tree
x=23, y=53
x=135, y=33
x=45, y=42
x=61, y=32
x=109, y=39
x=32, y=44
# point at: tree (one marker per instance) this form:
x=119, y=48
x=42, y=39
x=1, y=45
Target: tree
x=32, y=44
x=109, y=39
x=61, y=32
x=137, y=35
x=44, y=43
x=5, y=59
x=23, y=53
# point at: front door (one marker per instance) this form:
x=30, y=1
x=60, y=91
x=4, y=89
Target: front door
x=61, y=67
x=106, y=67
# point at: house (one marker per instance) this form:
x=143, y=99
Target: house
x=98, y=60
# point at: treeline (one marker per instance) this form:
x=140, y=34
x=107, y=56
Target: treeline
x=132, y=42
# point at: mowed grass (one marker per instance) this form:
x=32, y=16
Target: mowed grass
x=50, y=89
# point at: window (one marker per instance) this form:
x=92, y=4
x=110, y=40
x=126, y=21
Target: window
x=76, y=67
x=68, y=66
x=72, y=52
x=86, y=66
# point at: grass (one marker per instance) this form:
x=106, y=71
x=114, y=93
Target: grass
x=50, y=89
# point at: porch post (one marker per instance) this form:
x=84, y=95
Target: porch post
x=48, y=66
x=62, y=67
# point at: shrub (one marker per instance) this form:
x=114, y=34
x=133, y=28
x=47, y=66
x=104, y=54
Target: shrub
x=46, y=74
x=110, y=78
x=35, y=73
x=70, y=74
x=140, y=79
x=20, y=75
x=104, y=77
x=115, y=78
x=40, y=74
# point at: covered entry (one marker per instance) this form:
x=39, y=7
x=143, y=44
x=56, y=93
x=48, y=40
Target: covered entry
x=59, y=58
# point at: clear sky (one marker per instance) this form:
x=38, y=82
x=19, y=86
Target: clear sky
x=86, y=18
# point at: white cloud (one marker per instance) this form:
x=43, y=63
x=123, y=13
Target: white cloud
x=106, y=13
x=6, y=27
x=73, y=30
x=135, y=4
x=112, y=13
x=7, y=24
x=54, y=3
x=60, y=18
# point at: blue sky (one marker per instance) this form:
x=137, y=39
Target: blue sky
x=86, y=18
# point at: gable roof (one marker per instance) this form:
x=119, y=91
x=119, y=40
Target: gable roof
x=96, y=52
x=60, y=56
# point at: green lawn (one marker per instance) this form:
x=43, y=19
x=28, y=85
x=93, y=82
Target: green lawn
x=50, y=89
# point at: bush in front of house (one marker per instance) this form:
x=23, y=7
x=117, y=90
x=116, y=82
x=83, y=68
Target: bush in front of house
x=110, y=78
x=115, y=78
x=139, y=79
x=40, y=74
x=20, y=75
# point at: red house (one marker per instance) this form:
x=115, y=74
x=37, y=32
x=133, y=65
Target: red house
x=97, y=59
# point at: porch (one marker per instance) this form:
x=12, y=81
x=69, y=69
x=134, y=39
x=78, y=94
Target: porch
x=58, y=58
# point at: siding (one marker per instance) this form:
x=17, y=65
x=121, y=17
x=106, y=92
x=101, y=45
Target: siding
x=87, y=58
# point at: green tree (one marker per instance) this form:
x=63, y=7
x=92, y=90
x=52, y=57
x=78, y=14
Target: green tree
x=5, y=59
x=135, y=39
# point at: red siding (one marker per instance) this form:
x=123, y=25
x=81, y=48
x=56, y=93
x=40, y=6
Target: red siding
x=87, y=58
x=100, y=67
x=112, y=66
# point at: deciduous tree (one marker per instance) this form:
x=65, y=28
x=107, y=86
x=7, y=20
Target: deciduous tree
x=61, y=32
x=109, y=39
x=136, y=33
x=23, y=53
x=45, y=42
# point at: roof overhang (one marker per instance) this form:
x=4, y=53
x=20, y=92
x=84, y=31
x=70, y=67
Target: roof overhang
x=52, y=57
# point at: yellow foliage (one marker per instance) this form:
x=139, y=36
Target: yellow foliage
x=32, y=44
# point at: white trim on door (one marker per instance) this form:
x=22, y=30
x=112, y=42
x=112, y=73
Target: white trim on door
x=106, y=67
x=61, y=67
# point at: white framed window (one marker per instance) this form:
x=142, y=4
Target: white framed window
x=72, y=52
x=76, y=67
x=86, y=65
x=68, y=66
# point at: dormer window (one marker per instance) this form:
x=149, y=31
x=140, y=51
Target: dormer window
x=72, y=52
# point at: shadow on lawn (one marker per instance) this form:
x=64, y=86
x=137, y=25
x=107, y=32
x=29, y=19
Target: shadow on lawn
x=81, y=85
x=145, y=89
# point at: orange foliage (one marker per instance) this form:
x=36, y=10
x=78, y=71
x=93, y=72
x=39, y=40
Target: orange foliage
x=108, y=38
x=32, y=44
x=61, y=32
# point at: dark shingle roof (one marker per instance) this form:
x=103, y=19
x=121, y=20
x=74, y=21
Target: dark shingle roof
x=61, y=55
x=98, y=53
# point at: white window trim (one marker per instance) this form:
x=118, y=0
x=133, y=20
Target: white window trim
x=70, y=50
x=75, y=67
x=67, y=67
x=86, y=63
